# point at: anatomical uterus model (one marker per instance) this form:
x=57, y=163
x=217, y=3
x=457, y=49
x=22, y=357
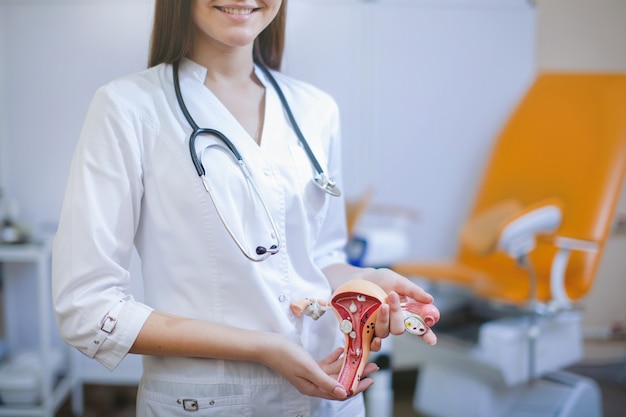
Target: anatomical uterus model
x=356, y=304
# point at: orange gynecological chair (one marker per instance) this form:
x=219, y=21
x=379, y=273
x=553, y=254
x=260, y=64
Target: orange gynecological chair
x=528, y=252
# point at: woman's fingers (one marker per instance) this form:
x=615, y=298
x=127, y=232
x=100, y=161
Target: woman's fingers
x=308, y=376
x=332, y=363
x=390, y=318
x=370, y=368
x=408, y=288
x=381, y=327
x=377, y=344
x=396, y=317
x=365, y=382
x=430, y=337
x=390, y=280
x=322, y=385
x=332, y=366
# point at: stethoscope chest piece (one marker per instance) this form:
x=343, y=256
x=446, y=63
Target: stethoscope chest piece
x=327, y=184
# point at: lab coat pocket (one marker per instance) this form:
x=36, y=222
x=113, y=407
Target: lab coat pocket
x=221, y=404
x=315, y=199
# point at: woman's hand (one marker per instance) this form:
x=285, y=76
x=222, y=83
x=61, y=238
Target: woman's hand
x=317, y=379
x=332, y=365
x=390, y=319
x=195, y=338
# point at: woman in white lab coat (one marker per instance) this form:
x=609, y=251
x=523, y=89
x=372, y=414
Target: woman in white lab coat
x=216, y=330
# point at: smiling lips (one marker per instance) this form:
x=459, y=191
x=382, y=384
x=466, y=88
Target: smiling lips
x=237, y=11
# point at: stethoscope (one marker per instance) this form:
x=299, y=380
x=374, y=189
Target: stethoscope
x=320, y=178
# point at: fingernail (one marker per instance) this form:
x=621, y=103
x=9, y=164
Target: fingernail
x=339, y=392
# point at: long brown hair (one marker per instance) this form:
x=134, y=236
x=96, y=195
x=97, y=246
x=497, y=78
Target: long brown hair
x=172, y=31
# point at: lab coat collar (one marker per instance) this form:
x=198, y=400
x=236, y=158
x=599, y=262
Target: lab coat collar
x=219, y=117
x=190, y=68
x=205, y=107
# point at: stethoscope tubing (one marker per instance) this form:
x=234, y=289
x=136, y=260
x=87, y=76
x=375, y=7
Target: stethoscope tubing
x=292, y=120
x=261, y=251
x=327, y=184
x=196, y=130
x=320, y=178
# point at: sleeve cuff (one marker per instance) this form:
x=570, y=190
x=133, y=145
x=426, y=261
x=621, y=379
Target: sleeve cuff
x=117, y=333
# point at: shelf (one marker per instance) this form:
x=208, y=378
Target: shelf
x=53, y=390
x=24, y=252
x=59, y=394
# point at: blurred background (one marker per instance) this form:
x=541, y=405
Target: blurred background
x=424, y=88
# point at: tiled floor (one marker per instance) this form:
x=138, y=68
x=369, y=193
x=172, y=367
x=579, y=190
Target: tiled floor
x=116, y=401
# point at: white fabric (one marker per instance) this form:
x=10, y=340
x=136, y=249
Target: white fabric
x=132, y=182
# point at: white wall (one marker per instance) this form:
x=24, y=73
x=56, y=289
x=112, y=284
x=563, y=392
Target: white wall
x=465, y=63
x=586, y=35
x=423, y=86
x=56, y=53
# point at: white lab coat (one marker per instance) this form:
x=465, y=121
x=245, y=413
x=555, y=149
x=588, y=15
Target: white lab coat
x=132, y=182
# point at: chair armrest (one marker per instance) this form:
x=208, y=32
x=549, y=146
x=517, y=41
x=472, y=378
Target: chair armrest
x=509, y=226
x=566, y=245
x=570, y=243
x=517, y=234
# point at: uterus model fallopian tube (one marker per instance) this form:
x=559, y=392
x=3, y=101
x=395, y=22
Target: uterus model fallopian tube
x=356, y=304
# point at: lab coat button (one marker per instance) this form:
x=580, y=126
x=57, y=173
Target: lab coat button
x=282, y=298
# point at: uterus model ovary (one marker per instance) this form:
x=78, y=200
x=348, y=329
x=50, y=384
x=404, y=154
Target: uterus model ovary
x=356, y=304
